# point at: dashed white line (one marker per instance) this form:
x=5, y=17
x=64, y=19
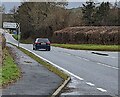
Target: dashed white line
x=113, y=57
x=85, y=59
x=102, y=90
x=110, y=57
x=90, y=84
x=108, y=66
x=69, y=54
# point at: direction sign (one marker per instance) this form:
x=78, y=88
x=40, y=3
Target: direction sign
x=9, y=25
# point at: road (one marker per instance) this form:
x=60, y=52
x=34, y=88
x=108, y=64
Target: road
x=98, y=71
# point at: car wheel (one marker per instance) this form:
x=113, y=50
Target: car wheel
x=48, y=49
x=34, y=48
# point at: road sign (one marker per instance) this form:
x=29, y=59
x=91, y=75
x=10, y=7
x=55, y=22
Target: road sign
x=9, y=25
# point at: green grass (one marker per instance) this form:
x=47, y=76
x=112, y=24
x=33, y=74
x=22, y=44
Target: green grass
x=60, y=73
x=26, y=41
x=10, y=71
x=89, y=47
x=16, y=36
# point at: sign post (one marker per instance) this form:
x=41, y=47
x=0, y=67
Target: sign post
x=18, y=35
x=10, y=25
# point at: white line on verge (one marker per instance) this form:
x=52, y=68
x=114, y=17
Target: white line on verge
x=56, y=65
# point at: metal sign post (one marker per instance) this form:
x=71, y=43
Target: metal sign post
x=18, y=35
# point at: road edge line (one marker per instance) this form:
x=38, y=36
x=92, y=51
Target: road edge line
x=65, y=82
x=62, y=86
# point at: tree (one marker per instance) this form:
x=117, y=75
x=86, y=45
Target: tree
x=88, y=11
x=102, y=13
x=40, y=19
x=2, y=8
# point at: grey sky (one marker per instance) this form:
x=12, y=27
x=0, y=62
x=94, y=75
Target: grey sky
x=10, y=5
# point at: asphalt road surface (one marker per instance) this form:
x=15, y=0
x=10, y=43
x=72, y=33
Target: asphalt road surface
x=98, y=71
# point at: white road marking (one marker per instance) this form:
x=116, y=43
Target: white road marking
x=108, y=66
x=85, y=59
x=64, y=70
x=69, y=54
x=90, y=84
x=113, y=57
x=56, y=65
x=110, y=57
x=102, y=90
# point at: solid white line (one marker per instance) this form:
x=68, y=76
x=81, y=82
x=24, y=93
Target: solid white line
x=90, y=84
x=56, y=65
x=102, y=90
x=108, y=66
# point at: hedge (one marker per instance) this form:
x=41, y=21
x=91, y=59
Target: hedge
x=87, y=35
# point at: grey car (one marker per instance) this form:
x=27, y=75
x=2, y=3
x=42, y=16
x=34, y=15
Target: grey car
x=41, y=43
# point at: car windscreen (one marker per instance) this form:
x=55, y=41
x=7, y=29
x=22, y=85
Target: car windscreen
x=42, y=40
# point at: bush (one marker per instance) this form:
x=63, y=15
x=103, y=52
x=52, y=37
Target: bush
x=87, y=35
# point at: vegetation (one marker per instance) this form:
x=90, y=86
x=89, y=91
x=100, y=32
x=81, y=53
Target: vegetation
x=104, y=14
x=27, y=41
x=40, y=19
x=105, y=35
x=16, y=36
x=3, y=42
x=10, y=72
x=89, y=47
x=43, y=18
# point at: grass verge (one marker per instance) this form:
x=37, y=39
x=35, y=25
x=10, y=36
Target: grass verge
x=27, y=41
x=15, y=36
x=47, y=65
x=10, y=71
x=60, y=73
x=89, y=47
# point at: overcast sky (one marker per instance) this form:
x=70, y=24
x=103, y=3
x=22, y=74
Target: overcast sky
x=10, y=5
